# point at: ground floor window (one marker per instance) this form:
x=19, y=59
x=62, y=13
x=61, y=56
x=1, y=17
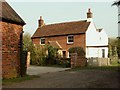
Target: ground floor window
x=103, y=53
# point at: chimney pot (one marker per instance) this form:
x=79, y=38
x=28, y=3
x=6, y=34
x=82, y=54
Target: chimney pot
x=89, y=13
x=41, y=22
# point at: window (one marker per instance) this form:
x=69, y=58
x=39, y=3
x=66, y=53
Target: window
x=103, y=53
x=42, y=41
x=70, y=39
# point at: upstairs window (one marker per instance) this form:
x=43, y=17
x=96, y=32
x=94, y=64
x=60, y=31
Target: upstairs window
x=70, y=39
x=42, y=41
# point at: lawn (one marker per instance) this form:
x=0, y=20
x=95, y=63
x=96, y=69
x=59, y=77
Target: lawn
x=18, y=79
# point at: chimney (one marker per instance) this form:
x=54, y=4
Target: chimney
x=89, y=15
x=40, y=22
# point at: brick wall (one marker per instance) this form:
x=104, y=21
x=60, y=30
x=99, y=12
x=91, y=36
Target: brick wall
x=77, y=61
x=10, y=49
x=79, y=40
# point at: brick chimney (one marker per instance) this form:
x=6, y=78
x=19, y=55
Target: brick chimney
x=89, y=15
x=40, y=22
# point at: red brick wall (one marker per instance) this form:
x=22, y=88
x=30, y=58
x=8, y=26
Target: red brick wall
x=79, y=40
x=77, y=61
x=10, y=49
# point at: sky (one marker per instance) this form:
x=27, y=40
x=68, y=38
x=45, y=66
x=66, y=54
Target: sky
x=104, y=15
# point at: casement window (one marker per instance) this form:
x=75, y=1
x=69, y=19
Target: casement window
x=42, y=41
x=70, y=39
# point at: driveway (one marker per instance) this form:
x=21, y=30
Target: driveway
x=37, y=70
x=72, y=79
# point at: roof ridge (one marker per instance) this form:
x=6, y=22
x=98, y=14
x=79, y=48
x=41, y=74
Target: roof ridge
x=64, y=23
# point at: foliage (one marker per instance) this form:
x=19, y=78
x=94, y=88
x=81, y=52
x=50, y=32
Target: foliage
x=27, y=42
x=38, y=55
x=42, y=54
x=18, y=79
x=113, y=67
x=79, y=50
x=118, y=48
x=52, y=54
x=63, y=62
x=116, y=3
x=112, y=47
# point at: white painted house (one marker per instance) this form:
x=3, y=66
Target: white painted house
x=96, y=40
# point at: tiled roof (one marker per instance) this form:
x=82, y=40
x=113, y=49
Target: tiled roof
x=66, y=28
x=55, y=44
x=7, y=14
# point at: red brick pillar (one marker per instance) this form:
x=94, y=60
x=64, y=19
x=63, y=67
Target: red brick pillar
x=73, y=59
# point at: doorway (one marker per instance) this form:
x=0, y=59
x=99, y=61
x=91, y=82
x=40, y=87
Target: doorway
x=64, y=54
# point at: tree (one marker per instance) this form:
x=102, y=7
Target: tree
x=117, y=3
x=27, y=42
x=112, y=47
x=118, y=47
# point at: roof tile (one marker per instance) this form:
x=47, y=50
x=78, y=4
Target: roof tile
x=66, y=28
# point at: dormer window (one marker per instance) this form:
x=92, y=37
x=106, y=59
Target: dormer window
x=42, y=41
x=70, y=39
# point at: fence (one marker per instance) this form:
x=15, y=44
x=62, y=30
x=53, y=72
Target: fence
x=98, y=61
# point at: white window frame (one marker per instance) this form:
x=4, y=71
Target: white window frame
x=70, y=42
x=40, y=41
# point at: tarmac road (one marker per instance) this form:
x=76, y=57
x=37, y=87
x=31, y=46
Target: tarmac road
x=72, y=79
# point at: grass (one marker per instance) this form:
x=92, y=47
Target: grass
x=115, y=67
x=18, y=79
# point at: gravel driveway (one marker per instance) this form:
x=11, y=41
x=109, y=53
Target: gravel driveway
x=37, y=70
x=72, y=79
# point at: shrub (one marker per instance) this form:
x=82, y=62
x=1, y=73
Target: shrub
x=79, y=50
x=63, y=62
x=38, y=55
x=52, y=54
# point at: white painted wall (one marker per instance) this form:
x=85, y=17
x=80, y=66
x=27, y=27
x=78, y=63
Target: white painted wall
x=95, y=38
x=96, y=52
x=92, y=36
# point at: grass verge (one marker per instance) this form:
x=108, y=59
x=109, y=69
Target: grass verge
x=18, y=79
x=112, y=67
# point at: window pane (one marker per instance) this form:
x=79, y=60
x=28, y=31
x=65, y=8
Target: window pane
x=70, y=39
x=42, y=41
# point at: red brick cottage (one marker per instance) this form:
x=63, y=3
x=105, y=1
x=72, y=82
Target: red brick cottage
x=11, y=34
x=62, y=33
x=81, y=33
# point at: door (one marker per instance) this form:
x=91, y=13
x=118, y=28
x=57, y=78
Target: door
x=64, y=54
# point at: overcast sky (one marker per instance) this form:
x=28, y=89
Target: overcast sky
x=104, y=15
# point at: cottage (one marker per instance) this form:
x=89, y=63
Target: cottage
x=11, y=31
x=71, y=34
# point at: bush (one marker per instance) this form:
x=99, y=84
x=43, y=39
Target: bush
x=43, y=55
x=52, y=54
x=79, y=50
x=63, y=62
x=38, y=55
